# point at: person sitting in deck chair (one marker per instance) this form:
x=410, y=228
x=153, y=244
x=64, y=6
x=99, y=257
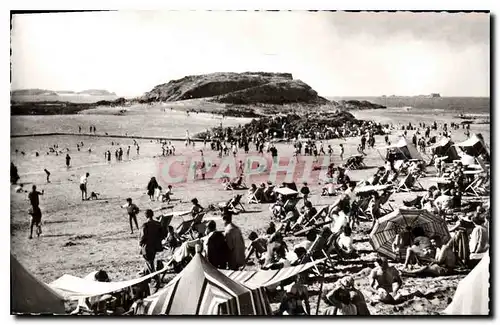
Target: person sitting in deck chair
x=269, y=195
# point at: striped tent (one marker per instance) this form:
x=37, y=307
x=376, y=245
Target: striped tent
x=386, y=228
x=201, y=289
x=262, y=279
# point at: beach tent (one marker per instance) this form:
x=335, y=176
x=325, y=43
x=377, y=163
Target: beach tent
x=30, y=296
x=267, y=278
x=444, y=147
x=472, y=294
x=201, y=289
x=387, y=227
x=474, y=146
x=74, y=288
x=404, y=150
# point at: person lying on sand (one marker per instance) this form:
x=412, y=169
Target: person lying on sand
x=385, y=281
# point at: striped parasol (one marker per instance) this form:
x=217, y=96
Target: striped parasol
x=201, y=289
x=386, y=228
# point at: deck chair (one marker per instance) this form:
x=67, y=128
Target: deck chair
x=408, y=184
x=256, y=196
x=290, y=205
x=312, y=254
x=477, y=186
x=361, y=207
x=235, y=203
x=165, y=221
x=226, y=184
x=186, y=227
x=384, y=199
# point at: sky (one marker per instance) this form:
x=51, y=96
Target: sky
x=336, y=53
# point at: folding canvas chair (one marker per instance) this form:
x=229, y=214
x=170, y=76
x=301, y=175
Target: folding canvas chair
x=290, y=204
x=186, y=227
x=384, y=199
x=235, y=203
x=477, y=186
x=226, y=184
x=165, y=221
x=255, y=196
x=314, y=250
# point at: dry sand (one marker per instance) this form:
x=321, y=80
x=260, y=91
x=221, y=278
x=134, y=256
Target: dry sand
x=80, y=237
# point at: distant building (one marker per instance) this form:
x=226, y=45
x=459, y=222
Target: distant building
x=435, y=95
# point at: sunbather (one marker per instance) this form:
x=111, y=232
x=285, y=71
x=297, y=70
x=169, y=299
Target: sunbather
x=442, y=264
x=385, y=281
x=421, y=248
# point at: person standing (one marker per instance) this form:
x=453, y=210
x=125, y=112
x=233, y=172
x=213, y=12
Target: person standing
x=152, y=185
x=83, y=186
x=48, y=175
x=274, y=154
x=137, y=149
x=235, y=241
x=35, y=212
x=341, y=151
x=132, y=211
x=150, y=242
x=68, y=160
x=128, y=151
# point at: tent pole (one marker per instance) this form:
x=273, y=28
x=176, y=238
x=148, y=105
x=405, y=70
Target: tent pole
x=320, y=290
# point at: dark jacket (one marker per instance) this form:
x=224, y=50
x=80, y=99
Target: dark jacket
x=217, y=250
x=152, y=234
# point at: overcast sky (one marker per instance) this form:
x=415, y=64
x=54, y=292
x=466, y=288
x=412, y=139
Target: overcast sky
x=338, y=54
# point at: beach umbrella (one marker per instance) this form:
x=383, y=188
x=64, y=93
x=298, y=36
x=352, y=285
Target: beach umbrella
x=201, y=289
x=386, y=228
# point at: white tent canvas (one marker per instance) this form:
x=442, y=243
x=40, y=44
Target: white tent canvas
x=406, y=148
x=472, y=295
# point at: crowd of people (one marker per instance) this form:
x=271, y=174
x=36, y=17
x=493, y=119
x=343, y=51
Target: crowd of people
x=327, y=231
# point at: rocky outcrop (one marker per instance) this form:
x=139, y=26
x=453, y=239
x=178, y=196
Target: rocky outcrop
x=359, y=104
x=236, y=88
x=32, y=92
x=96, y=92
